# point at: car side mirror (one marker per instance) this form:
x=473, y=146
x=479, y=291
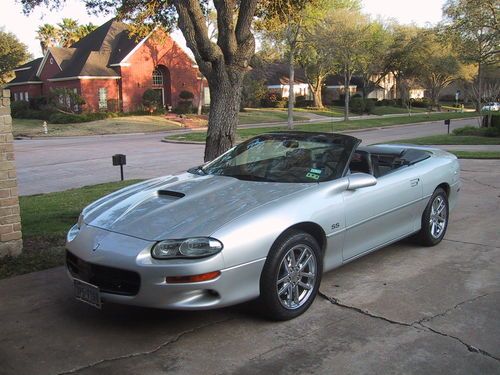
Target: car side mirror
x=360, y=180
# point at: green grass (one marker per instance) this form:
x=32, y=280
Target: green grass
x=254, y=116
x=477, y=154
x=116, y=125
x=389, y=110
x=243, y=134
x=451, y=139
x=45, y=219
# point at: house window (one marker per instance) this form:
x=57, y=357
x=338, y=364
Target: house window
x=26, y=96
x=15, y=96
x=157, y=77
x=21, y=96
x=103, y=98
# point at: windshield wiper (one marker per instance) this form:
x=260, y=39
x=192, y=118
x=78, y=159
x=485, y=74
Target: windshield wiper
x=197, y=170
x=250, y=177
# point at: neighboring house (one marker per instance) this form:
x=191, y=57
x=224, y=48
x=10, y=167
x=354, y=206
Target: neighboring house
x=334, y=87
x=111, y=70
x=276, y=79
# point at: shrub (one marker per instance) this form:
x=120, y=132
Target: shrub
x=369, y=105
x=483, y=132
x=38, y=102
x=495, y=120
x=19, y=108
x=151, y=100
x=184, y=107
x=186, y=95
x=66, y=99
x=273, y=100
x=421, y=102
x=72, y=118
x=387, y=102
x=357, y=105
x=253, y=91
x=302, y=102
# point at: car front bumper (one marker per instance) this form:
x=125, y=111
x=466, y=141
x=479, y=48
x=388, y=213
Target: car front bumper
x=104, y=257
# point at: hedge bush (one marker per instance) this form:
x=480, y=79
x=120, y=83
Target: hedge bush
x=273, y=100
x=70, y=118
x=357, y=105
x=482, y=132
x=186, y=95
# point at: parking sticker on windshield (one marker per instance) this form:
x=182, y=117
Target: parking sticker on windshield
x=314, y=170
x=314, y=176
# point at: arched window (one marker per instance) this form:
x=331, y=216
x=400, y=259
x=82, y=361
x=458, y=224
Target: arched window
x=157, y=77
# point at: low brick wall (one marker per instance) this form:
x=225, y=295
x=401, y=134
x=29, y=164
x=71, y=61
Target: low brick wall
x=11, y=242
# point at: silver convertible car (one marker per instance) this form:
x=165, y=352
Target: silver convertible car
x=264, y=220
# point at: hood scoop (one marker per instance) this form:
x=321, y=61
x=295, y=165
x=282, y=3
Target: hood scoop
x=170, y=193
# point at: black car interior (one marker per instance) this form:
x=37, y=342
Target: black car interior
x=380, y=161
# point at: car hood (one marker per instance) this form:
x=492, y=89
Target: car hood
x=182, y=206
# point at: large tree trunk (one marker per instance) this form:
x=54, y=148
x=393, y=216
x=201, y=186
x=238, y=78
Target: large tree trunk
x=291, y=92
x=225, y=97
x=318, y=100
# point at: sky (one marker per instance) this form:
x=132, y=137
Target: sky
x=24, y=27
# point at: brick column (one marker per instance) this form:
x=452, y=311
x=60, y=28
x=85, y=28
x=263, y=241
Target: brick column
x=11, y=242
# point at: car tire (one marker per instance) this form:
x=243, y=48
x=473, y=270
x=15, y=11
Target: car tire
x=434, y=219
x=291, y=276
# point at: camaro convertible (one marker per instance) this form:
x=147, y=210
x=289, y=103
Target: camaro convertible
x=264, y=220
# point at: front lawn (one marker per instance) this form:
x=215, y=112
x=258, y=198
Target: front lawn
x=243, y=134
x=390, y=109
x=450, y=139
x=260, y=116
x=116, y=125
x=45, y=220
x=476, y=154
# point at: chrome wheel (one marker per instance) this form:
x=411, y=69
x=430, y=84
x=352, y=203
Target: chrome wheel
x=438, y=216
x=296, y=277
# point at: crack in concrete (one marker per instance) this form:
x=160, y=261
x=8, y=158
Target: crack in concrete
x=480, y=183
x=414, y=325
x=469, y=347
x=471, y=243
x=429, y=318
x=147, y=352
x=335, y=301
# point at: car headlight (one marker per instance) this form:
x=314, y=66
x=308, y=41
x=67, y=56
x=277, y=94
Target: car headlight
x=72, y=233
x=75, y=229
x=197, y=247
x=79, y=223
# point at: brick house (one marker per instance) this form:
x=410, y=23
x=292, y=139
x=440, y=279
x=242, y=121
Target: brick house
x=111, y=69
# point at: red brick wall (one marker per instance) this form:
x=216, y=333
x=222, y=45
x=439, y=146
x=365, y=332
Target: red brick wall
x=159, y=49
x=90, y=92
x=32, y=90
x=50, y=69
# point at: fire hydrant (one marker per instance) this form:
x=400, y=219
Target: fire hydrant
x=45, y=129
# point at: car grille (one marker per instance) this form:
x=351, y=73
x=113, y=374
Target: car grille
x=108, y=279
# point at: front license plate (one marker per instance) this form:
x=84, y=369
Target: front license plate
x=87, y=293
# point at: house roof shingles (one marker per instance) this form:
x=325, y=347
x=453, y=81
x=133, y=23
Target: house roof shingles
x=27, y=75
x=90, y=56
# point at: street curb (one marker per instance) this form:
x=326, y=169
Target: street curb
x=338, y=132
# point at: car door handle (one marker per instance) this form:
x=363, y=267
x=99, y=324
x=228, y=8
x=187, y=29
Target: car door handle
x=414, y=182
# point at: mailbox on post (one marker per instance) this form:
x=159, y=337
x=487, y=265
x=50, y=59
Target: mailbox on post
x=447, y=123
x=121, y=160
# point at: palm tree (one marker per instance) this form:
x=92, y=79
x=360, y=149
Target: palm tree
x=84, y=30
x=68, y=31
x=48, y=35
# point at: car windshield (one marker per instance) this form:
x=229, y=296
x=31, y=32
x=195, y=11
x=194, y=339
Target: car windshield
x=285, y=157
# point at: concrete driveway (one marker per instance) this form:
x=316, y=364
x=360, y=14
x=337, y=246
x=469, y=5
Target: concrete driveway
x=55, y=164
x=402, y=310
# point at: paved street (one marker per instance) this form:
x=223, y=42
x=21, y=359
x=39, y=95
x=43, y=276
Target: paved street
x=402, y=310
x=56, y=164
